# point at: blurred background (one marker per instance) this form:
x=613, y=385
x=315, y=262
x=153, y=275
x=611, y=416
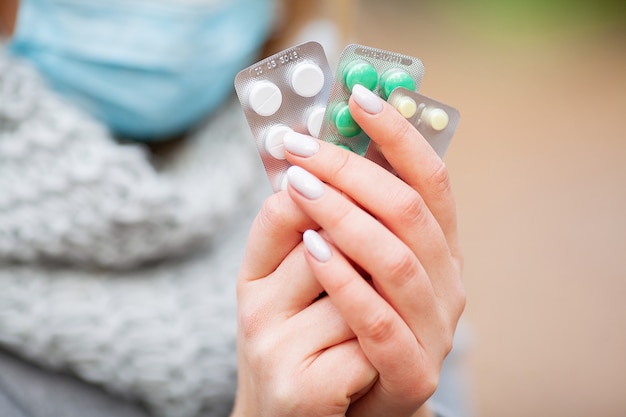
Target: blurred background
x=538, y=166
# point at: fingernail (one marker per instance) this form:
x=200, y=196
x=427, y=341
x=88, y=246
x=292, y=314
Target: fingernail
x=301, y=145
x=316, y=245
x=306, y=183
x=367, y=100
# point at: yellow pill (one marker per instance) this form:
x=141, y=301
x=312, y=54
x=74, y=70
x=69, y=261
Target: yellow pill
x=437, y=119
x=406, y=106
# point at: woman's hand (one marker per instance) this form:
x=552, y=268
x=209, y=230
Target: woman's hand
x=400, y=232
x=297, y=356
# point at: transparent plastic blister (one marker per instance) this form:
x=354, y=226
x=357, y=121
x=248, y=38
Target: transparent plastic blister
x=285, y=92
x=378, y=70
x=436, y=121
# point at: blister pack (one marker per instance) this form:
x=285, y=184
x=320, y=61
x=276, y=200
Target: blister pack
x=285, y=92
x=436, y=121
x=378, y=70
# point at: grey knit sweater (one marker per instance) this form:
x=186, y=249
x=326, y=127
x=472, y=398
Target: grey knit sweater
x=118, y=266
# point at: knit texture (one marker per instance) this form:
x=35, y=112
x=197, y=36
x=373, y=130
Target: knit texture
x=118, y=266
x=70, y=193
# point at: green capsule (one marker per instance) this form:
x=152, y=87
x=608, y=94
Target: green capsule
x=360, y=72
x=343, y=121
x=394, y=78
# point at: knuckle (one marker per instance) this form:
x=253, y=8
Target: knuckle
x=447, y=343
x=284, y=395
x=380, y=327
x=461, y=299
x=439, y=179
x=456, y=300
x=290, y=399
x=253, y=319
x=261, y=352
x=425, y=384
x=402, y=267
x=272, y=212
x=430, y=383
x=411, y=208
x=250, y=323
x=278, y=213
x=445, y=335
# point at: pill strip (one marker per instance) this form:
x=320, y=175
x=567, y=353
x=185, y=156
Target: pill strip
x=378, y=70
x=436, y=121
x=285, y=92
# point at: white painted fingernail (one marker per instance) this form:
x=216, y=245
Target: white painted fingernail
x=368, y=101
x=306, y=183
x=316, y=245
x=301, y=145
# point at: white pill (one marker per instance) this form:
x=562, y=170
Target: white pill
x=437, y=119
x=307, y=79
x=282, y=181
x=265, y=98
x=314, y=121
x=273, y=142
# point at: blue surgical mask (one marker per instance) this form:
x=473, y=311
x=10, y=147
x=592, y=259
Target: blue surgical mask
x=148, y=69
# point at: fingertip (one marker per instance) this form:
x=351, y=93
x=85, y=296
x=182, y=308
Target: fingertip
x=366, y=99
x=385, y=117
x=316, y=245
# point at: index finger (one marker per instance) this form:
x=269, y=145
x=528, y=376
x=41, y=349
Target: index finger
x=414, y=160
